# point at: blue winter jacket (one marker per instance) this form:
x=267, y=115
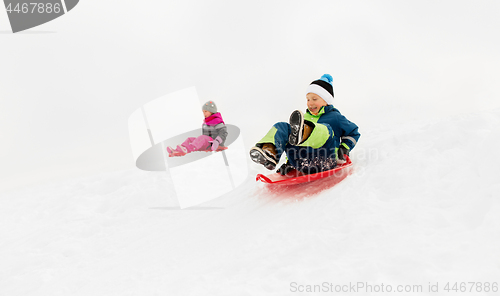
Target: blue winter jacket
x=309, y=160
x=345, y=132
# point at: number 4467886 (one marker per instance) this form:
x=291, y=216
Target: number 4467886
x=34, y=8
x=471, y=287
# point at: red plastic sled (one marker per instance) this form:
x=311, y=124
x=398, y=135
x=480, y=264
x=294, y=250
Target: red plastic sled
x=220, y=148
x=292, y=178
x=177, y=153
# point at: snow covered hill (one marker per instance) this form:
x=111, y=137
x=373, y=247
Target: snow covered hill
x=420, y=208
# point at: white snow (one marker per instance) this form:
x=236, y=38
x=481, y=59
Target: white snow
x=420, y=207
x=420, y=78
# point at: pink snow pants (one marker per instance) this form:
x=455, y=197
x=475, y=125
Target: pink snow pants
x=199, y=143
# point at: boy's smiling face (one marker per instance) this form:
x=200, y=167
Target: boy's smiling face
x=314, y=103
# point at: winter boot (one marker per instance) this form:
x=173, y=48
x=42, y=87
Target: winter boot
x=170, y=150
x=297, y=125
x=264, y=155
x=308, y=128
x=181, y=150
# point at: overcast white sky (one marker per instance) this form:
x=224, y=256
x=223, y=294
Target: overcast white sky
x=68, y=87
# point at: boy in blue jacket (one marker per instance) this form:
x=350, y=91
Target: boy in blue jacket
x=313, y=142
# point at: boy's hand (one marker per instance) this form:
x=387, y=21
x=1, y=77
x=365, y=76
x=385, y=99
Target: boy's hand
x=285, y=169
x=342, y=151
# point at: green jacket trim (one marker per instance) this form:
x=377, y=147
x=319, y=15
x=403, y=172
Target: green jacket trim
x=269, y=137
x=314, y=118
x=318, y=137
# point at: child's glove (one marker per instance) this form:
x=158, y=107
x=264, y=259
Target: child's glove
x=341, y=152
x=285, y=169
x=215, y=143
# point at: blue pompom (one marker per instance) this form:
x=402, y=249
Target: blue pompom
x=327, y=77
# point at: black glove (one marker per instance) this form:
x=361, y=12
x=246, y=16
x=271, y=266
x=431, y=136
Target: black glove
x=342, y=151
x=285, y=169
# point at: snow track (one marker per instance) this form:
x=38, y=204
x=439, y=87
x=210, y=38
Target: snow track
x=421, y=206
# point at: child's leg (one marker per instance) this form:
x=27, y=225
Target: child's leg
x=317, y=153
x=268, y=150
x=317, y=136
x=188, y=144
x=201, y=143
x=278, y=136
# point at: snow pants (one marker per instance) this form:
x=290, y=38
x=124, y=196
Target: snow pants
x=316, y=154
x=199, y=143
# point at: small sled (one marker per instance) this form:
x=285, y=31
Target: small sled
x=176, y=153
x=294, y=177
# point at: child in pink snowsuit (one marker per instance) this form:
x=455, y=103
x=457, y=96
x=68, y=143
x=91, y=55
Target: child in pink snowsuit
x=214, y=133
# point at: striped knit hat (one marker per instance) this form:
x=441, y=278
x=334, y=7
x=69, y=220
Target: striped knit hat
x=322, y=87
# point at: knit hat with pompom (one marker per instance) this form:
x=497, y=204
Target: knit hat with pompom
x=322, y=87
x=210, y=107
